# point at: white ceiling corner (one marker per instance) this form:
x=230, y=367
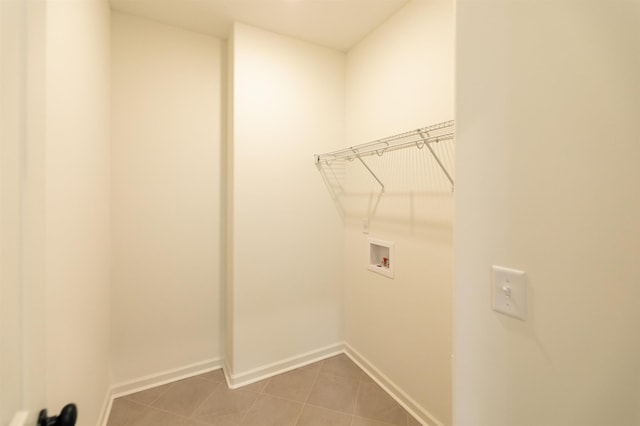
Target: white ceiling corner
x=338, y=24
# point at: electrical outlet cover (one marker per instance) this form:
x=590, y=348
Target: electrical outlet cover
x=509, y=292
x=365, y=225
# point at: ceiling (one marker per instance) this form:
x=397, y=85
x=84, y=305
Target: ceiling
x=338, y=24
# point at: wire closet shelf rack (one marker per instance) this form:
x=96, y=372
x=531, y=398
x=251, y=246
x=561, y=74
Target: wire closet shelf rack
x=419, y=138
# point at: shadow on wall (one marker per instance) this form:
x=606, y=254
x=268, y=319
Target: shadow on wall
x=417, y=197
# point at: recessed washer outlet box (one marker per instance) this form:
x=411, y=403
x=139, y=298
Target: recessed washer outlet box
x=381, y=258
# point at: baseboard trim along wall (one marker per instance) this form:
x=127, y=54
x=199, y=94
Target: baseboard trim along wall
x=226, y=371
x=235, y=381
x=153, y=380
x=408, y=403
x=106, y=408
x=19, y=418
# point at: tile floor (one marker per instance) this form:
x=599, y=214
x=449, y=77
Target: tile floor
x=332, y=392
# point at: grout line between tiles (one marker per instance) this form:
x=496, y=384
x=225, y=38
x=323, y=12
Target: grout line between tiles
x=160, y=410
x=315, y=380
x=355, y=405
x=150, y=404
x=244, y=415
x=353, y=415
x=195, y=410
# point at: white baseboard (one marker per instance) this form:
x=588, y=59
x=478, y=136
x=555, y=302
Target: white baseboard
x=408, y=403
x=254, y=375
x=153, y=380
x=226, y=369
x=19, y=418
x=106, y=409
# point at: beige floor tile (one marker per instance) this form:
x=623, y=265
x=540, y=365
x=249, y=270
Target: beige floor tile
x=185, y=396
x=214, y=376
x=231, y=420
x=412, y=422
x=374, y=403
x=316, y=416
x=272, y=411
x=124, y=411
x=149, y=396
x=225, y=406
x=341, y=365
x=192, y=422
x=316, y=366
x=360, y=421
x=295, y=385
x=334, y=392
x=154, y=417
x=257, y=387
x=365, y=378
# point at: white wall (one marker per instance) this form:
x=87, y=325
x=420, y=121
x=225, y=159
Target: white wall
x=12, y=101
x=77, y=206
x=400, y=78
x=166, y=189
x=286, y=234
x=547, y=156
x=227, y=213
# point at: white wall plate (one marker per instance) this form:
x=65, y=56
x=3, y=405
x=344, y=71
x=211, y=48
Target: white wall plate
x=509, y=292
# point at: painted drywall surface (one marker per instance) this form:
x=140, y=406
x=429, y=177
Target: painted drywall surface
x=22, y=207
x=12, y=102
x=392, y=89
x=398, y=79
x=166, y=172
x=286, y=238
x=33, y=216
x=547, y=147
x=227, y=223
x=77, y=206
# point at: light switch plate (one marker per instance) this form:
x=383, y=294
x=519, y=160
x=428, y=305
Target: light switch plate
x=509, y=292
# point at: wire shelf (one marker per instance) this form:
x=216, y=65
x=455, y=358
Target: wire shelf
x=419, y=138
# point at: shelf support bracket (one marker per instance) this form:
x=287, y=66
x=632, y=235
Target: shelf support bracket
x=435, y=156
x=367, y=167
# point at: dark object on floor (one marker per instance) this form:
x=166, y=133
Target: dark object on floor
x=67, y=417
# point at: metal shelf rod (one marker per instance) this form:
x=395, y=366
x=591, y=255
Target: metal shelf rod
x=419, y=138
x=444, y=169
x=369, y=169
